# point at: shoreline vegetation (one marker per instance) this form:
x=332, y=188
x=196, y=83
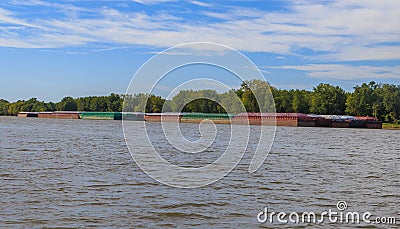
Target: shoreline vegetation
x=391, y=126
x=381, y=101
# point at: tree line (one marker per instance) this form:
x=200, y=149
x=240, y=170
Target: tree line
x=111, y=103
x=377, y=100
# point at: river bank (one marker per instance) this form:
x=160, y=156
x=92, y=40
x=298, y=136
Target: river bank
x=391, y=126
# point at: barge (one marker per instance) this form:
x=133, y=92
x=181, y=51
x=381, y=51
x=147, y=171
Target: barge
x=199, y=117
x=271, y=119
x=101, y=115
x=59, y=115
x=163, y=117
x=28, y=114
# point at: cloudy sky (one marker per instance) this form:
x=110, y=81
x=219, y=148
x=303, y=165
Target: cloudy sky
x=51, y=49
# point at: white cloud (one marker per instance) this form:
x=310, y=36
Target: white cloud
x=336, y=30
x=6, y=17
x=67, y=8
x=345, y=72
x=202, y=4
x=152, y=2
x=356, y=52
x=17, y=43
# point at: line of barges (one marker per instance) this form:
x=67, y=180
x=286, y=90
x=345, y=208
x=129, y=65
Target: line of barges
x=267, y=119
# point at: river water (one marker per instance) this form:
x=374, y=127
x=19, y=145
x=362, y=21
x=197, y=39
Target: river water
x=77, y=173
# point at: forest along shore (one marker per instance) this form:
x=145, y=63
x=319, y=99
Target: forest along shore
x=268, y=119
x=381, y=101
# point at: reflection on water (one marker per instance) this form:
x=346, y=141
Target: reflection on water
x=76, y=173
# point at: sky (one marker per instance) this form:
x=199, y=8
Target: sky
x=51, y=49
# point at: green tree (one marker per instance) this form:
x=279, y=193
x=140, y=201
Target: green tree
x=181, y=99
x=328, y=99
x=167, y=107
x=67, y=104
x=114, y=103
x=140, y=102
x=301, y=101
x=263, y=93
x=249, y=100
x=361, y=102
x=129, y=103
x=4, y=107
x=83, y=103
x=99, y=103
x=231, y=101
x=283, y=100
x=50, y=106
x=154, y=104
x=33, y=105
x=391, y=102
x=15, y=107
x=205, y=101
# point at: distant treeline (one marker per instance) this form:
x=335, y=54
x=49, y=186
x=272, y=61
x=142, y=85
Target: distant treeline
x=370, y=99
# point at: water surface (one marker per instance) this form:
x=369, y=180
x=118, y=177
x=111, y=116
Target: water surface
x=77, y=173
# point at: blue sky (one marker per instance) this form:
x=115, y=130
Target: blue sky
x=51, y=49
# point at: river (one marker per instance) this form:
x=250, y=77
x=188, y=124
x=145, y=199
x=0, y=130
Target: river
x=78, y=173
